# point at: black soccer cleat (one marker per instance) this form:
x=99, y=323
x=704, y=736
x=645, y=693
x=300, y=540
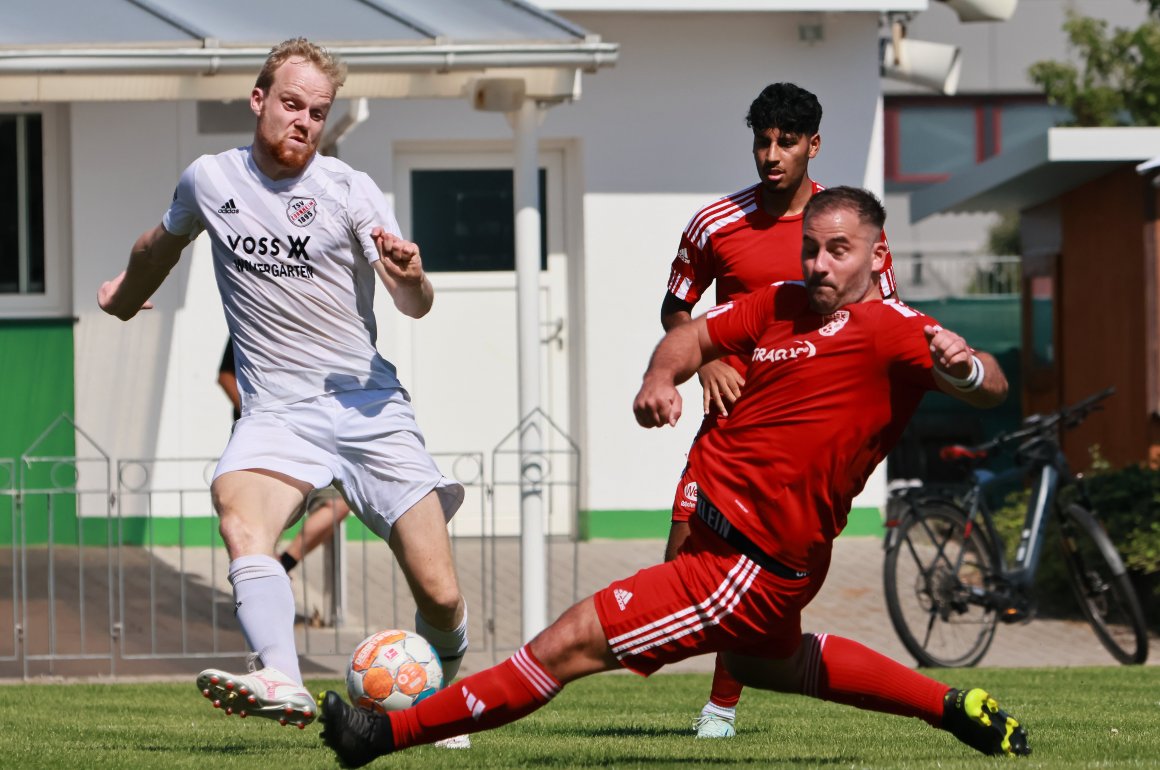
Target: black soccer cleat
x=974, y=717
x=357, y=736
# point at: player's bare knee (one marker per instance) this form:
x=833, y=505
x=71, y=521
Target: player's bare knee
x=442, y=606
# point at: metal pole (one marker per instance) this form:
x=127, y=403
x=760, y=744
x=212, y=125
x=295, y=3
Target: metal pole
x=533, y=562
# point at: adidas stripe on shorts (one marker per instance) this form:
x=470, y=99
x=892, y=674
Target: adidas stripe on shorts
x=709, y=598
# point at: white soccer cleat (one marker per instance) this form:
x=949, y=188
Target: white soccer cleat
x=456, y=742
x=714, y=726
x=266, y=693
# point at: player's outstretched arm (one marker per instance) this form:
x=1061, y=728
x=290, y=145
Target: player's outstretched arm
x=969, y=375
x=153, y=256
x=401, y=270
x=721, y=384
x=680, y=353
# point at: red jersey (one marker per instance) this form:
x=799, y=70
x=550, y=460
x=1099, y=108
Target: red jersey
x=734, y=242
x=825, y=400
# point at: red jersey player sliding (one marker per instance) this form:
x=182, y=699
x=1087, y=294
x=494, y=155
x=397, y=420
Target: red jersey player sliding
x=744, y=242
x=835, y=373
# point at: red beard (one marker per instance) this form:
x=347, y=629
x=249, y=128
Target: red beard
x=289, y=155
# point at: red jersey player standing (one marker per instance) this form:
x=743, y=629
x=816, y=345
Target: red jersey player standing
x=835, y=374
x=744, y=242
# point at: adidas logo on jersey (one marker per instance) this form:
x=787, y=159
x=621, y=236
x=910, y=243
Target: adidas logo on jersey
x=228, y=207
x=622, y=598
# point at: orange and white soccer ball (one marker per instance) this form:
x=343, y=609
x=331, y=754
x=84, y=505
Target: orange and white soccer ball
x=392, y=670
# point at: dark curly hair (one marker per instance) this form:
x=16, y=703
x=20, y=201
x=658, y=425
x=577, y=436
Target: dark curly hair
x=862, y=202
x=786, y=107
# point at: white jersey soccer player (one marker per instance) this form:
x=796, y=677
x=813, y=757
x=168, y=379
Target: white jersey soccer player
x=285, y=254
x=299, y=241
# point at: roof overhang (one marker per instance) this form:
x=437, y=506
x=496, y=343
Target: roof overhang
x=120, y=74
x=1038, y=170
x=135, y=50
x=716, y=6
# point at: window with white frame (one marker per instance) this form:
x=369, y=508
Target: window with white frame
x=22, y=229
x=34, y=279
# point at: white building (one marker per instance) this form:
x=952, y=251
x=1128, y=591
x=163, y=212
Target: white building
x=624, y=166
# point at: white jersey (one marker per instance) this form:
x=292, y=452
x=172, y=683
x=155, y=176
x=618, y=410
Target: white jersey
x=294, y=265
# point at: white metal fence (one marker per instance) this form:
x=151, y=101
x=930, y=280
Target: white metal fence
x=940, y=274
x=116, y=568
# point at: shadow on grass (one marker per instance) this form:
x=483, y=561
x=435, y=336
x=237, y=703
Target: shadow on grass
x=651, y=760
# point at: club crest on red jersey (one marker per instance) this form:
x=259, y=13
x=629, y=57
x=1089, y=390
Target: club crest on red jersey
x=301, y=211
x=836, y=321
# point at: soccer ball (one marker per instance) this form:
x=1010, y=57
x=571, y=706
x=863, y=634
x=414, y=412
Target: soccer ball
x=392, y=670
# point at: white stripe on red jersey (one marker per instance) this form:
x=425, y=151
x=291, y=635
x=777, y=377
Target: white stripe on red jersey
x=721, y=212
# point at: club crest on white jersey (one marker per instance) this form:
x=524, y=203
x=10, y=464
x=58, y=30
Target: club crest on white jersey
x=301, y=211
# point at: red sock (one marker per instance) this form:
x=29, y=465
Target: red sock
x=726, y=690
x=843, y=671
x=491, y=698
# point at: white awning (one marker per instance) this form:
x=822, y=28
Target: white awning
x=113, y=50
x=1038, y=170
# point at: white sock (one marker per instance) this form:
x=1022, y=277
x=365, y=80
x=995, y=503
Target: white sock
x=712, y=709
x=264, y=606
x=449, y=644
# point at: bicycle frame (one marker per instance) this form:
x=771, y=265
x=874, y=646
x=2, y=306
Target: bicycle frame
x=1052, y=475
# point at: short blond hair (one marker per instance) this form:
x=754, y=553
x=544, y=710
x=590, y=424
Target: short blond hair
x=301, y=48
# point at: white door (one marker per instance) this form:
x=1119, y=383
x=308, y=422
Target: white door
x=460, y=361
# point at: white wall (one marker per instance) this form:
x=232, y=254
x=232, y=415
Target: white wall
x=146, y=388
x=664, y=132
x=651, y=140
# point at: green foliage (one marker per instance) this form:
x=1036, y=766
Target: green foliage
x=1077, y=718
x=1118, y=79
x=1127, y=502
x=1003, y=238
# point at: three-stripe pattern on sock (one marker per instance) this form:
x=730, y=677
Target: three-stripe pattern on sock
x=689, y=620
x=540, y=680
x=815, y=643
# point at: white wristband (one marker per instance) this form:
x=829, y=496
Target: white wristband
x=969, y=383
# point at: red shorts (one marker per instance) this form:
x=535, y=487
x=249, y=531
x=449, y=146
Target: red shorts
x=709, y=598
x=685, y=500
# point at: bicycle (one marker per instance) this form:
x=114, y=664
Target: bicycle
x=947, y=580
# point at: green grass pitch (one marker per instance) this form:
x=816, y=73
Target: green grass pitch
x=1076, y=718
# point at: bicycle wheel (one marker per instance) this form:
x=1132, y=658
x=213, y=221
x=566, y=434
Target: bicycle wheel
x=930, y=570
x=1101, y=584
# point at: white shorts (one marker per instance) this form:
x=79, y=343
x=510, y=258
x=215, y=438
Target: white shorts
x=364, y=441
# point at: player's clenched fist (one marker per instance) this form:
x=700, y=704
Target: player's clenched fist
x=949, y=352
x=658, y=403
x=400, y=257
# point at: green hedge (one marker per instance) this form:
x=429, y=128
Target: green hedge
x=1127, y=502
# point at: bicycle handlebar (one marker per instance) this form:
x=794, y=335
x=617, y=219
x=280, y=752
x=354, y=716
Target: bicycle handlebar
x=1038, y=425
